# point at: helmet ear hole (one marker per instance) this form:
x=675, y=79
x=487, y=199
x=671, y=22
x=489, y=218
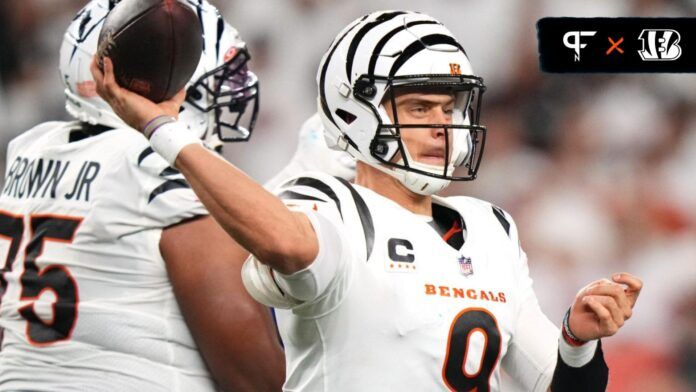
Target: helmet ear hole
x=347, y=117
x=365, y=88
x=380, y=148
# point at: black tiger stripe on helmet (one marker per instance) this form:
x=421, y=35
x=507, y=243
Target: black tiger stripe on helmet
x=358, y=37
x=385, y=16
x=383, y=42
x=421, y=44
x=325, y=67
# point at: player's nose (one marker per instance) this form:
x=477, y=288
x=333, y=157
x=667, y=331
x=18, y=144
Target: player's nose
x=439, y=116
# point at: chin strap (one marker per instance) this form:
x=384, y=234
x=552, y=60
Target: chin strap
x=415, y=182
x=421, y=183
x=424, y=185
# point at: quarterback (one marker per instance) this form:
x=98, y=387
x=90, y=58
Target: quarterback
x=382, y=284
x=101, y=243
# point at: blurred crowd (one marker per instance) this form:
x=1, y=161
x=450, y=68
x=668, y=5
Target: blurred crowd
x=598, y=170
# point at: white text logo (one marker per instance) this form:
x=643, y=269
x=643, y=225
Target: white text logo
x=575, y=43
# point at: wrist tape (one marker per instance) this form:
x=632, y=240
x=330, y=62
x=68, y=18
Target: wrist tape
x=169, y=138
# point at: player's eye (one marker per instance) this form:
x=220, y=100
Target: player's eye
x=419, y=110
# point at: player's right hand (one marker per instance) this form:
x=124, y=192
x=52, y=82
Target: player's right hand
x=135, y=110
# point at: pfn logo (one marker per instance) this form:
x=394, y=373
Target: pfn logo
x=659, y=45
x=575, y=43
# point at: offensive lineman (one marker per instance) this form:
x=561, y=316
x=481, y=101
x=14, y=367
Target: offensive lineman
x=386, y=286
x=90, y=217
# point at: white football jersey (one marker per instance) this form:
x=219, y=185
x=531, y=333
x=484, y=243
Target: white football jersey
x=400, y=305
x=87, y=304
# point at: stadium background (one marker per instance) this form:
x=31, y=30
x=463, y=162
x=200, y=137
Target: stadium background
x=598, y=170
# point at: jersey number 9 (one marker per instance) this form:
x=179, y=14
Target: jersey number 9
x=466, y=325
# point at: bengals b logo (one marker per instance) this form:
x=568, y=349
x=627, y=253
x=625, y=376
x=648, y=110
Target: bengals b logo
x=659, y=45
x=455, y=69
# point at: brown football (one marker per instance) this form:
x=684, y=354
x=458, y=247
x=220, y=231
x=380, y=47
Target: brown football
x=155, y=46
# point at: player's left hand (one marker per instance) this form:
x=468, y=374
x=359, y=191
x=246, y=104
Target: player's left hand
x=602, y=307
x=135, y=110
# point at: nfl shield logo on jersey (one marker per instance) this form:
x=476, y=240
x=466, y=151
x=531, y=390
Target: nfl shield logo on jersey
x=465, y=265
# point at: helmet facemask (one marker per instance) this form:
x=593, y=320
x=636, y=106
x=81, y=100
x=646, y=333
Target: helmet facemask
x=229, y=93
x=464, y=137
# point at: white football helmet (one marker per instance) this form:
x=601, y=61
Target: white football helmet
x=371, y=61
x=222, y=97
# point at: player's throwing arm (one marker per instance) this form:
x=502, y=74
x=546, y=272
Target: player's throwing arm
x=257, y=219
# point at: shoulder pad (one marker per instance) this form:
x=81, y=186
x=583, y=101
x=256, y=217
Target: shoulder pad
x=32, y=134
x=353, y=211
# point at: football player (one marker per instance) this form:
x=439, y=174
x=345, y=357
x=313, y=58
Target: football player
x=100, y=237
x=385, y=285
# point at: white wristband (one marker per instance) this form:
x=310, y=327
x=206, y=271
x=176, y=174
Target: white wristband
x=169, y=139
x=576, y=356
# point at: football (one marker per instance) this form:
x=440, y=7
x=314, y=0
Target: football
x=155, y=46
